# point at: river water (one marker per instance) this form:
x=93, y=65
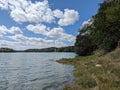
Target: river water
x=34, y=71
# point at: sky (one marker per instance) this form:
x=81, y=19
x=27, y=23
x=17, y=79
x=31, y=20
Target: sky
x=26, y=24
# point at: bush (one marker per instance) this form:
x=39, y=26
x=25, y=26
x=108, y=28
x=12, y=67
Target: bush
x=87, y=82
x=84, y=45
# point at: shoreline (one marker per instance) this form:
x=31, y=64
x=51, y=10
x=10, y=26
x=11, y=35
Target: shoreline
x=73, y=62
x=95, y=72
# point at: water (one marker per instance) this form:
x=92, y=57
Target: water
x=34, y=71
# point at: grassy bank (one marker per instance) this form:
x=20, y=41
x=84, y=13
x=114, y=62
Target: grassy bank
x=95, y=72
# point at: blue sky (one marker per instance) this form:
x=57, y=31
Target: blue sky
x=43, y=23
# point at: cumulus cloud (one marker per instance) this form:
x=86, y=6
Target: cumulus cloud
x=18, y=41
x=24, y=39
x=38, y=29
x=13, y=30
x=87, y=23
x=27, y=11
x=57, y=33
x=36, y=14
x=3, y=4
x=60, y=34
x=69, y=17
x=58, y=13
x=3, y=30
x=31, y=42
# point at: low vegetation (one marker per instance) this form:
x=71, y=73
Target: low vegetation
x=95, y=72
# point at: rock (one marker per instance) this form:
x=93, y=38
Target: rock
x=98, y=65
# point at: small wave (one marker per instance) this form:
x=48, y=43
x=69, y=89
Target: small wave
x=53, y=86
x=48, y=71
x=47, y=65
x=21, y=68
x=36, y=79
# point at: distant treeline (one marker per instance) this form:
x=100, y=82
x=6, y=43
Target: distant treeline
x=51, y=49
x=6, y=50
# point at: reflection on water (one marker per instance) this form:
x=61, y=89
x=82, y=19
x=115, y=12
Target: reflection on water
x=34, y=71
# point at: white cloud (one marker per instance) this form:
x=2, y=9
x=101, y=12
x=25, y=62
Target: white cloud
x=87, y=23
x=69, y=18
x=3, y=4
x=58, y=13
x=19, y=41
x=60, y=34
x=57, y=33
x=26, y=39
x=26, y=11
x=31, y=42
x=38, y=29
x=38, y=12
x=3, y=30
x=13, y=30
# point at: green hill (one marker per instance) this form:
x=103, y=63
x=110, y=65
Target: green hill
x=6, y=50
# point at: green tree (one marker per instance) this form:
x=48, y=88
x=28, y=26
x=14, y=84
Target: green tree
x=106, y=26
x=103, y=32
x=84, y=44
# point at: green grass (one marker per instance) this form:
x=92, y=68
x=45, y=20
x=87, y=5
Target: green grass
x=90, y=77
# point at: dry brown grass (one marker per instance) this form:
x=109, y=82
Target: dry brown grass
x=89, y=77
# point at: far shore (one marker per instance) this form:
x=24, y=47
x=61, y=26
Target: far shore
x=50, y=49
x=33, y=52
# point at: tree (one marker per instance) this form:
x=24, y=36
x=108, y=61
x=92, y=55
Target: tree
x=84, y=44
x=106, y=30
x=102, y=31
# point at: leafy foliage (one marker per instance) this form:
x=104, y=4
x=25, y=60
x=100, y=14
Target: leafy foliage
x=83, y=45
x=103, y=33
x=106, y=30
